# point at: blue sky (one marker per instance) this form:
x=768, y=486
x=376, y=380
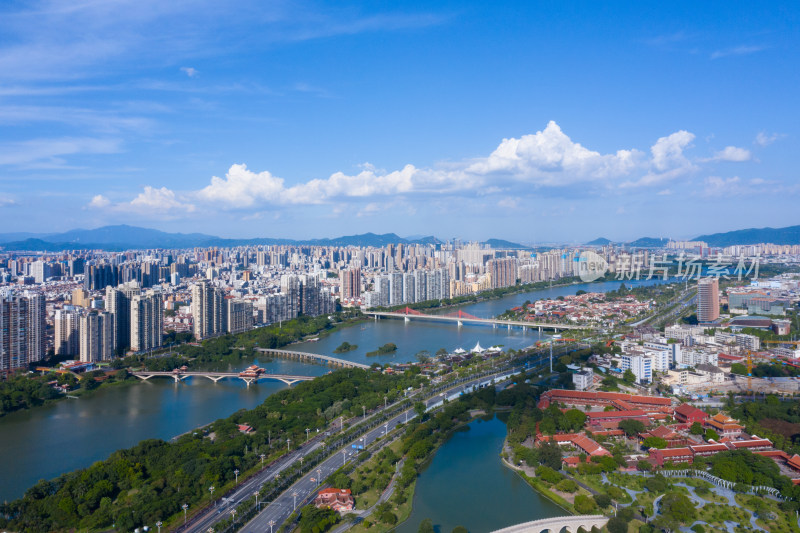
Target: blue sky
x=531, y=121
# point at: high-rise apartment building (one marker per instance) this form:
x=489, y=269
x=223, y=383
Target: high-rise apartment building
x=67, y=335
x=97, y=337
x=350, y=283
x=21, y=330
x=239, y=315
x=147, y=321
x=118, y=303
x=208, y=310
x=707, y=299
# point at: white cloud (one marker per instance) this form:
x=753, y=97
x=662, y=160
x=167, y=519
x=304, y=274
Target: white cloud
x=668, y=160
x=737, y=51
x=765, y=139
x=664, y=192
x=736, y=186
x=508, y=203
x=6, y=201
x=549, y=157
x=731, y=153
x=50, y=152
x=189, y=71
x=162, y=200
x=99, y=202
x=545, y=160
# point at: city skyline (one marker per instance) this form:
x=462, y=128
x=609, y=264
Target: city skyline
x=533, y=123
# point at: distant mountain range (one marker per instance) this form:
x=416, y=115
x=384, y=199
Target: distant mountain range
x=124, y=237
x=789, y=235
x=644, y=242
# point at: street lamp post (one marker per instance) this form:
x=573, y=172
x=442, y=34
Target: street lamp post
x=233, y=512
x=307, y=430
x=301, y=461
x=344, y=457
x=386, y=428
x=185, y=506
x=236, y=473
x=319, y=476
x=211, y=490
x=364, y=408
x=262, y=459
x=385, y=401
x=158, y=525
x=294, y=495
x=271, y=523
x=288, y=440
x=257, y=504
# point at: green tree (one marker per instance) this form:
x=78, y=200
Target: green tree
x=575, y=419
x=584, y=504
x=711, y=434
x=550, y=455
x=602, y=500
x=654, y=442
x=426, y=526
x=631, y=427
x=644, y=466
x=617, y=525
x=629, y=377
x=696, y=428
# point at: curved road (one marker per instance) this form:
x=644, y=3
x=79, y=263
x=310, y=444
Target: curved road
x=282, y=507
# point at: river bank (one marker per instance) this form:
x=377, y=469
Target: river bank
x=468, y=455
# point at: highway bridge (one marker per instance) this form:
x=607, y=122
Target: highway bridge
x=313, y=357
x=462, y=318
x=180, y=375
x=555, y=525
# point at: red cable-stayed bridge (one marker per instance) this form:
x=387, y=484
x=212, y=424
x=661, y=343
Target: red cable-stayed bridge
x=460, y=317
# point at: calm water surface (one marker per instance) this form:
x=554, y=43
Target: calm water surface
x=467, y=485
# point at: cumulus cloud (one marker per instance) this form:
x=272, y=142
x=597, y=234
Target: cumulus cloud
x=99, y=201
x=189, y=71
x=667, y=160
x=731, y=153
x=547, y=160
x=158, y=202
x=163, y=199
x=550, y=157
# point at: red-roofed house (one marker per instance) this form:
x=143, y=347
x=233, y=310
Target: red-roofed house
x=690, y=414
x=340, y=500
x=676, y=455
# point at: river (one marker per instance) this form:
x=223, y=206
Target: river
x=467, y=485
x=44, y=442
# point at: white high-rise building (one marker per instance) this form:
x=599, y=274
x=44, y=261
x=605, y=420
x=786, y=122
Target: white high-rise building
x=208, y=310
x=147, y=321
x=97, y=337
x=67, y=332
x=640, y=365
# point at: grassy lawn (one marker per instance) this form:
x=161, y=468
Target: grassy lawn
x=371, y=525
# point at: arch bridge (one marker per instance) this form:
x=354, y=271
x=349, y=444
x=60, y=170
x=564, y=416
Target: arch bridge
x=179, y=376
x=571, y=524
x=313, y=357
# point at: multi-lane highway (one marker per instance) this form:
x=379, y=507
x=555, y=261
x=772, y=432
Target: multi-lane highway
x=277, y=511
x=280, y=508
